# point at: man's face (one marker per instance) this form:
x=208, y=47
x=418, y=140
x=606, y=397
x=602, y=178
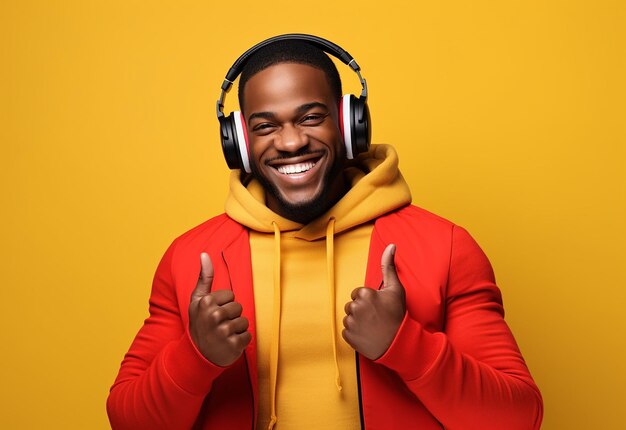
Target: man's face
x=295, y=142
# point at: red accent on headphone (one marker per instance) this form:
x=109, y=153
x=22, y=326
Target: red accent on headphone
x=245, y=131
x=341, y=118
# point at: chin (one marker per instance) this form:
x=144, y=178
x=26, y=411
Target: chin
x=304, y=211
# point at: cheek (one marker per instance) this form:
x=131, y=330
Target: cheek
x=330, y=136
x=258, y=145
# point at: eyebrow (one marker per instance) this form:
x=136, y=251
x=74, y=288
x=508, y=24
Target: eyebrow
x=300, y=110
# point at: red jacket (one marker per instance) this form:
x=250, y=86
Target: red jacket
x=454, y=363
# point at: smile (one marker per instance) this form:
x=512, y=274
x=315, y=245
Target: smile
x=290, y=169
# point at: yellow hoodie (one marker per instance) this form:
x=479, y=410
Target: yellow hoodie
x=303, y=276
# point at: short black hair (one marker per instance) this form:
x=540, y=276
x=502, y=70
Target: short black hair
x=290, y=51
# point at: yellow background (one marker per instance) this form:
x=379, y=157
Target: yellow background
x=509, y=117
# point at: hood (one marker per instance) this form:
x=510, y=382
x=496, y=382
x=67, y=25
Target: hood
x=377, y=187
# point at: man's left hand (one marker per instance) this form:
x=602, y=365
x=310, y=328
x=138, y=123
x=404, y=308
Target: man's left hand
x=374, y=316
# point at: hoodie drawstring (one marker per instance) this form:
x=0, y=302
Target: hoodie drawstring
x=330, y=266
x=275, y=342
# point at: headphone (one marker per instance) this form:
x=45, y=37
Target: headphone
x=354, y=121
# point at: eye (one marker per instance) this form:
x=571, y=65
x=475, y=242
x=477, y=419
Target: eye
x=263, y=128
x=313, y=119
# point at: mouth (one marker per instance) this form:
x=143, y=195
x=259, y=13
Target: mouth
x=291, y=169
x=295, y=165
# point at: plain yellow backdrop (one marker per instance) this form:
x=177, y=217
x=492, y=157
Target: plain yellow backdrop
x=509, y=118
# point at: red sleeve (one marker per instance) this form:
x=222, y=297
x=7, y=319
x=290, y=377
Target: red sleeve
x=471, y=375
x=163, y=370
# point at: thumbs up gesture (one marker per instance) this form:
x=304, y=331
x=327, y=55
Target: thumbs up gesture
x=374, y=316
x=215, y=322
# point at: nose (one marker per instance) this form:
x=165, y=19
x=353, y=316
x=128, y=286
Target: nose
x=290, y=139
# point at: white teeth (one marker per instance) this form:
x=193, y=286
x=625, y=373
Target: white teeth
x=288, y=169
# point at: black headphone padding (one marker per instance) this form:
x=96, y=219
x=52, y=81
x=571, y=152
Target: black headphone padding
x=229, y=142
x=360, y=125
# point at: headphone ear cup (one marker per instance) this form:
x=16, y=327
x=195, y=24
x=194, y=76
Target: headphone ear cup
x=230, y=146
x=355, y=125
x=345, y=124
x=361, y=126
x=234, y=141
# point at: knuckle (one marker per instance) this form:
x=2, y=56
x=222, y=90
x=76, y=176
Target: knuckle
x=236, y=342
x=365, y=293
x=223, y=330
x=207, y=301
x=218, y=315
x=348, y=321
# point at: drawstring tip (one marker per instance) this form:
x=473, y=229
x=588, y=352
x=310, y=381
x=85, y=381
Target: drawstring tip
x=272, y=423
x=338, y=384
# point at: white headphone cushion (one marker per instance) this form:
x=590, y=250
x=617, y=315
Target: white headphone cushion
x=242, y=141
x=347, y=127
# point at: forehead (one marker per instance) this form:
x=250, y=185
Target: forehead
x=286, y=85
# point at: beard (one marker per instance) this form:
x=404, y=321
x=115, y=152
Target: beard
x=306, y=210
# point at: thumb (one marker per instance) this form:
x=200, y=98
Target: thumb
x=203, y=287
x=388, y=267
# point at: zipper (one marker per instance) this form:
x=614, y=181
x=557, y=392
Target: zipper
x=245, y=357
x=358, y=385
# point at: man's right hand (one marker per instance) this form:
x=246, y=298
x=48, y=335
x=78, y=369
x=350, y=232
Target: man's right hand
x=215, y=322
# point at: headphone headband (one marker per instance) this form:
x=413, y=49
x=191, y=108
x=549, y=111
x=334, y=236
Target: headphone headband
x=323, y=44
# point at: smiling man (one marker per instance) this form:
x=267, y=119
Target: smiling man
x=322, y=298
x=292, y=115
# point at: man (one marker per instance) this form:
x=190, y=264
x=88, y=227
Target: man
x=249, y=338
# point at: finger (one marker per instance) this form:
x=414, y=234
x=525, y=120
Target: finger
x=205, y=281
x=362, y=293
x=219, y=315
x=348, y=322
x=349, y=308
x=232, y=310
x=228, y=328
x=246, y=337
x=215, y=300
x=239, y=325
x=240, y=341
x=347, y=336
x=221, y=297
x=388, y=267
